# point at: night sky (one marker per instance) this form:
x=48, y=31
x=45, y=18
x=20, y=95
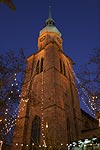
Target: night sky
x=77, y=20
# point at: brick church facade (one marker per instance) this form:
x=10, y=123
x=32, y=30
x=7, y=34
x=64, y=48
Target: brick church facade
x=49, y=110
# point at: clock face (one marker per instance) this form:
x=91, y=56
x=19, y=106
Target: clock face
x=42, y=38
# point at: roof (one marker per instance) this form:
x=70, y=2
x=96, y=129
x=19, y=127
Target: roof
x=50, y=25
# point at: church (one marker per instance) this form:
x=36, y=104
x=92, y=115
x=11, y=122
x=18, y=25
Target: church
x=49, y=112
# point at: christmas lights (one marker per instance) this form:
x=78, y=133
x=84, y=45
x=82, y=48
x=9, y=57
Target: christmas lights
x=42, y=113
x=10, y=117
x=10, y=123
x=90, y=99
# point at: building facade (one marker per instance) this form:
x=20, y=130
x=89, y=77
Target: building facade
x=49, y=111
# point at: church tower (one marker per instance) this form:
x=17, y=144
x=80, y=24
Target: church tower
x=49, y=111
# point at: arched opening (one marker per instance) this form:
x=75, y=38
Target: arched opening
x=37, y=67
x=42, y=62
x=60, y=66
x=35, y=132
x=64, y=69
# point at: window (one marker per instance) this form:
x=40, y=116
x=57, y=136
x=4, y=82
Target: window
x=64, y=71
x=42, y=62
x=37, y=67
x=60, y=66
x=35, y=131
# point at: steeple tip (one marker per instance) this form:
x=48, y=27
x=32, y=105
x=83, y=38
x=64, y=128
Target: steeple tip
x=50, y=25
x=50, y=16
x=50, y=21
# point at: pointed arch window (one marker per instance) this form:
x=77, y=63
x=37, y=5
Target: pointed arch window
x=64, y=71
x=60, y=65
x=37, y=67
x=42, y=64
x=35, y=131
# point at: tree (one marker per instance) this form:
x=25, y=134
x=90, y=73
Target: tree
x=12, y=70
x=11, y=64
x=9, y=3
x=89, y=81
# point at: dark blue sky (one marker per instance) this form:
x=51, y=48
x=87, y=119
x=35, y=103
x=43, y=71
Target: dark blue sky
x=78, y=21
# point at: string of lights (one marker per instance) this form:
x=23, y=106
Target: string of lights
x=92, y=106
x=42, y=111
x=42, y=115
x=9, y=120
x=87, y=107
x=10, y=123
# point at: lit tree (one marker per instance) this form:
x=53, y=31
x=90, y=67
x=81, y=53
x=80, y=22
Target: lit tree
x=11, y=64
x=12, y=70
x=89, y=81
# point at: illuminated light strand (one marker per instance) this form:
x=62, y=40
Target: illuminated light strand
x=8, y=129
x=14, y=121
x=84, y=91
x=9, y=121
x=90, y=99
x=26, y=100
x=21, y=144
x=85, y=103
x=23, y=100
x=88, y=107
x=92, y=105
x=42, y=110
x=5, y=120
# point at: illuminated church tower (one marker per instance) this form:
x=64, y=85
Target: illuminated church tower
x=49, y=111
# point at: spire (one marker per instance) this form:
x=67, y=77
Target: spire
x=50, y=16
x=50, y=21
x=50, y=25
